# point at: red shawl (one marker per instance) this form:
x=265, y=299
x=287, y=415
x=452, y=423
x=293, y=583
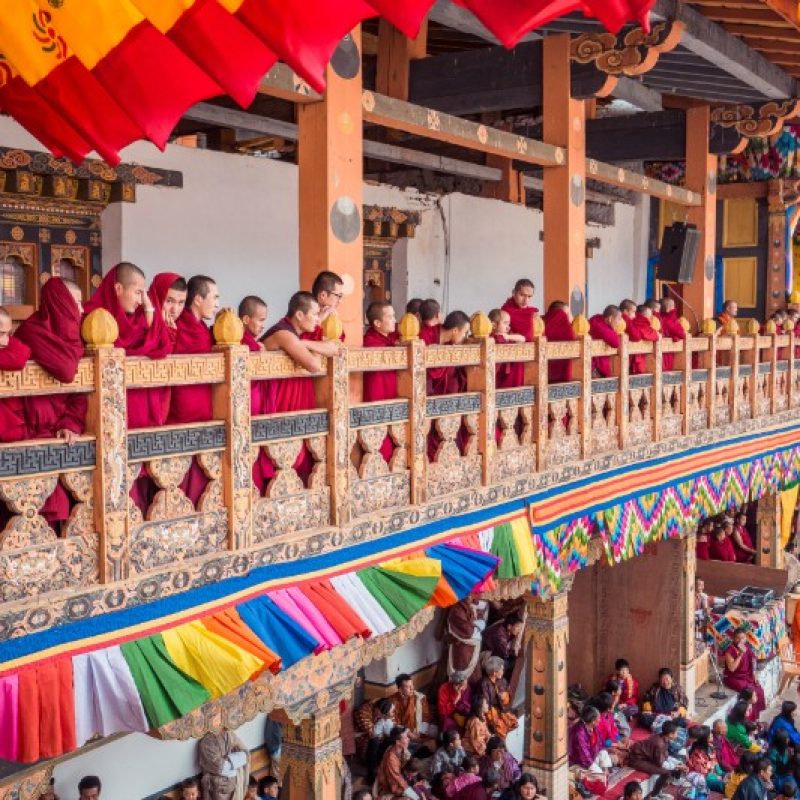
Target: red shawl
x=258, y=389
x=671, y=328
x=158, y=294
x=157, y=400
x=521, y=318
x=13, y=358
x=53, y=335
x=380, y=385
x=722, y=551
x=289, y=394
x=430, y=334
x=558, y=328
x=191, y=403
x=601, y=331
x=639, y=329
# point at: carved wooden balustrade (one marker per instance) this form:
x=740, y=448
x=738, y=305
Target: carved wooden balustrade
x=367, y=465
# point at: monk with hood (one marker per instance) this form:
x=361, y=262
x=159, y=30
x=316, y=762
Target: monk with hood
x=14, y=354
x=558, y=328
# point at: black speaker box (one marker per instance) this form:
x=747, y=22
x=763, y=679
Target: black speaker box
x=678, y=254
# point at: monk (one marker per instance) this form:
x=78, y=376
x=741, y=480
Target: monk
x=168, y=292
x=730, y=310
x=53, y=334
x=194, y=337
x=642, y=324
x=450, y=380
x=296, y=394
x=520, y=309
x=14, y=354
x=558, y=328
x=328, y=291
x=381, y=332
x=463, y=638
x=413, y=306
x=671, y=328
x=510, y=374
x=142, y=332
x=430, y=321
x=603, y=328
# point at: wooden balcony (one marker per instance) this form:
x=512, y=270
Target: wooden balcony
x=449, y=454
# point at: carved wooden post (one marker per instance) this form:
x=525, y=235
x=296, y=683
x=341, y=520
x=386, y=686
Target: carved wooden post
x=623, y=405
x=658, y=381
x=108, y=419
x=231, y=401
x=411, y=385
x=769, y=552
x=581, y=327
x=688, y=645
x=338, y=399
x=773, y=373
x=546, y=641
x=685, y=357
x=482, y=379
x=311, y=757
x=540, y=409
x=711, y=380
x=755, y=379
x=733, y=385
x=791, y=372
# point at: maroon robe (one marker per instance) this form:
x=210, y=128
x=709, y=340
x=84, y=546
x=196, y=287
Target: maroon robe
x=445, y=380
x=259, y=393
x=430, y=334
x=145, y=406
x=671, y=328
x=637, y=330
x=744, y=677
x=13, y=358
x=53, y=335
x=558, y=328
x=317, y=335
x=192, y=403
x=742, y=556
x=507, y=375
x=160, y=397
x=601, y=331
x=722, y=551
x=702, y=550
x=522, y=324
x=381, y=385
x=285, y=395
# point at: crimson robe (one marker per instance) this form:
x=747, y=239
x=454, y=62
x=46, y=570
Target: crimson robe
x=671, y=328
x=507, y=375
x=53, y=335
x=158, y=294
x=381, y=385
x=635, y=330
x=522, y=324
x=558, y=328
x=430, y=334
x=136, y=338
x=316, y=335
x=13, y=358
x=445, y=380
x=259, y=393
x=722, y=551
x=192, y=403
x=285, y=395
x=601, y=331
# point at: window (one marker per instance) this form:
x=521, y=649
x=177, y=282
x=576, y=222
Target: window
x=66, y=270
x=12, y=281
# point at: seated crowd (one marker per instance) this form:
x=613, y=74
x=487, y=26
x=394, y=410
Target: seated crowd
x=739, y=758
x=728, y=537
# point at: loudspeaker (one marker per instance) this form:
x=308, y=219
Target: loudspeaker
x=678, y=254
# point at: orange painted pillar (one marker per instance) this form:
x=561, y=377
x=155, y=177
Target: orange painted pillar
x=311, y=757
x=330, y=160
x=701, y=177
x=565, y=185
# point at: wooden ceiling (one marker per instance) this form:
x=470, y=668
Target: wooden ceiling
x=772, y=27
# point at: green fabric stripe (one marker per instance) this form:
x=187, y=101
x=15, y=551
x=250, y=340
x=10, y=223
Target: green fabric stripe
x=399, y=595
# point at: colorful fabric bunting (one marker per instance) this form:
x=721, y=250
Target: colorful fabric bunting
x=462, y=567
x=400, y=593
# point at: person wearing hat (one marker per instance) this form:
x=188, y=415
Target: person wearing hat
x=454, y=702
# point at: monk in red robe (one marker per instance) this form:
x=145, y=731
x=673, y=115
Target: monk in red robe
x=507, y=375
x=14, y=354
x=194, y=337
x=448, y=380
x=603, y=328
x=671, y=328
x=520, y=310
x=142, y=332
x=413, y=306
x=730, y=310
x=53, y=334
x=430, y=321
x=382, y=385
x=168, y=292
x=296, y=394
x=642, y=323
x=558, y=328
x=328, y=291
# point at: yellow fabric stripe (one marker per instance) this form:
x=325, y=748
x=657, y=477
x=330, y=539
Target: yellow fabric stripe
x=28, y=42
x=524, y=543
x=416, y=567
x=788, y=504
x=93, y=27
x=163, y=14
x=217, y=663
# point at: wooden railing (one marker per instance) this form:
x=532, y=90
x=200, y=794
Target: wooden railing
x=370, y=466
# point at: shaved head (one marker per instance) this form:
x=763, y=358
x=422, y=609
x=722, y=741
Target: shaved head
x=128, y=273
x=250, y=304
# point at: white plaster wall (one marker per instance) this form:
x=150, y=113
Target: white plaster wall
x=410, y=657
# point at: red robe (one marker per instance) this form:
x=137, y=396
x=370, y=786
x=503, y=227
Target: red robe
x=522, y=324
x=601, y=331
x=192, y=403
x=722, y=551
x=54, y=337
x=259, y=393
x=742, y=556
x=639, y=329
x=13, y=358
x=285, y=395
x=317, y=335
x=558, y=328
x=160, y=397
x=445, y=380
x=702, y=550
x=145, y=407
x=506, y=375
x=430, y=334
x=671, y=328
x=381, y=385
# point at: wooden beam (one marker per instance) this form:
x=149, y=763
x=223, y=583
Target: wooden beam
x=728, y=191
x=636, y=182
x=282, y=82
x=633, y=91
x=713, y=43
x=564, y=198
x=787, y=9
x=394, y=59
x=420, y=121
x=750, y=31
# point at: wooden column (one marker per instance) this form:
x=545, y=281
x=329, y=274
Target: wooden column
x=311, y=757
x=688, y=645
x=776, y=253
x=482, y=379
x=411, y=385
x=564, y=185
x=330, y=159
x=546, y=641
x=395, y=53
x=769, y=552
x=701, y=177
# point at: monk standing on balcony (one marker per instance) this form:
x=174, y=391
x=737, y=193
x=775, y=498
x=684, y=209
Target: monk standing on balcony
x=671, y=328
x=296, y=394
x=14, y=354
x=142, y=332
x=558, y=328
x=53, y=334
x=520, y=310
x=603, y=328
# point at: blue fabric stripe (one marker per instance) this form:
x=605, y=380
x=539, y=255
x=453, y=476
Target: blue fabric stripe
x=150, y=612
